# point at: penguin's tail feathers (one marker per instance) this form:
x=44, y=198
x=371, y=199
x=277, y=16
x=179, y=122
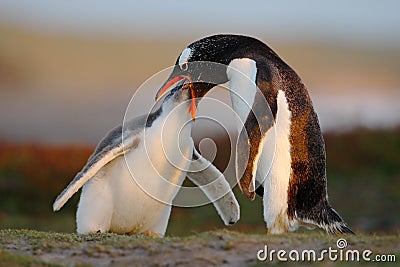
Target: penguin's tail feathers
x=327, y=218
x=338, y=227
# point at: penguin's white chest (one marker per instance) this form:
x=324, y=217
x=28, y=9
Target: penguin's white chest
x=276, y=150
x=159, y=166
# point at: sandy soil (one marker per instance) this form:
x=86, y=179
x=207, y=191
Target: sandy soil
x=215, y=248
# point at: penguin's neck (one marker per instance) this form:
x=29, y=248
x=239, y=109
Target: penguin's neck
x=174, y=112
x=173, y=121
x=168, y=142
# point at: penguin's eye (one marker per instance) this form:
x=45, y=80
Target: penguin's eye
x=184, y=66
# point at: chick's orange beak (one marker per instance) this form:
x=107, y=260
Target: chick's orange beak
x=192, y=108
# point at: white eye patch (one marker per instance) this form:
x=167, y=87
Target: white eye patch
x=184, y=58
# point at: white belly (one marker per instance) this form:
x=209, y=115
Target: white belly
x=131, y=209
x=277, y=175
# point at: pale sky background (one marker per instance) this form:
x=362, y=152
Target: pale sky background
x=51, y=112
x=375, y=22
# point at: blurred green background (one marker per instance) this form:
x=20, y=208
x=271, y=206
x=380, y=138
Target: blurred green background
x=68, y=70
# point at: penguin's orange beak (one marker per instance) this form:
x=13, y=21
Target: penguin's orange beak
x=192, y=108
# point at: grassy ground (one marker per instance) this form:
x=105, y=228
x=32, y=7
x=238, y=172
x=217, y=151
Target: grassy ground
x=213, y=248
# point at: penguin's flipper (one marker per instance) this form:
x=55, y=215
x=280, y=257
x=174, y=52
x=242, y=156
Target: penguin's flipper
x=250, y=144
x=109, y=148
x=215, y=187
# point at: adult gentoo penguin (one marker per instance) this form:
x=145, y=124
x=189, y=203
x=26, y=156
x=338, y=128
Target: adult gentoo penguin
x=294, y=188
x=159, y=150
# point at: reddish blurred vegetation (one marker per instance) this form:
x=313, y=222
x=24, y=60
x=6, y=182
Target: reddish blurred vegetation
x=35, y=173
x=363, y=181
